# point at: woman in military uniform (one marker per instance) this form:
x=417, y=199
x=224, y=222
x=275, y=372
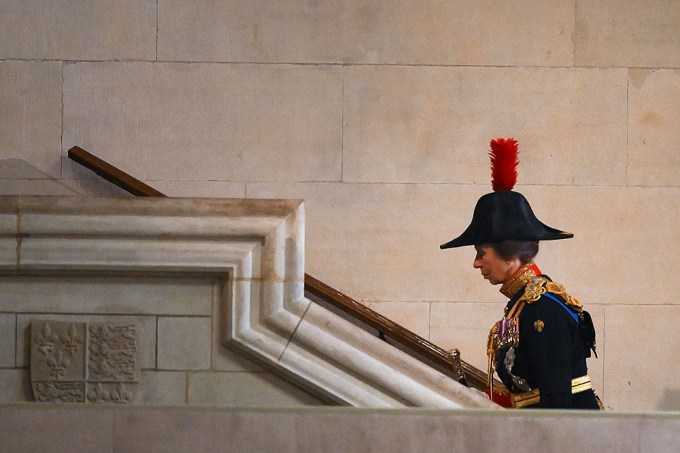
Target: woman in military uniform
x=539, y=347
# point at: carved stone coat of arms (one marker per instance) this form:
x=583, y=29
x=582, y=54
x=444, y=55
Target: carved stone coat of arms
x=84, y=362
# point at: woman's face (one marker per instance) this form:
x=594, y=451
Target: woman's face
x=493, y=267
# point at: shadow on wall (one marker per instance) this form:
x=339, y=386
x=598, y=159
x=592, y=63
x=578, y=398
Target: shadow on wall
x=670, y=400
x=20, y=169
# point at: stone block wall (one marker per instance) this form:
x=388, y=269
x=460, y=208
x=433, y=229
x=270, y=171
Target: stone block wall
x=169, y=301
x=378, y=115
x=182, y=361
x=336, y=430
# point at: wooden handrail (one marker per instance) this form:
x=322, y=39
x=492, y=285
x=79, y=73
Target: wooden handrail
x=112, y=174
x=448, y=360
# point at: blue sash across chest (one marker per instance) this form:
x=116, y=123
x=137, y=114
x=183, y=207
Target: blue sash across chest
x=571, y=312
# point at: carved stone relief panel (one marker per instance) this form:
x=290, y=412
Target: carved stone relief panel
x=84, y=362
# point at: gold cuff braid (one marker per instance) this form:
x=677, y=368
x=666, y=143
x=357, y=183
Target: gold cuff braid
x=578, y=385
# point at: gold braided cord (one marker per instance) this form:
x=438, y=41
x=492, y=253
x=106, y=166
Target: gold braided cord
x=539, y=286
x=534, y=290
x=535, y=286
x=491, y=348
x=492, y=343
x=523, y=276
x=571, y=301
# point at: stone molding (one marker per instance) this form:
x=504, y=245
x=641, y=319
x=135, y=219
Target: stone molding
x=257, y=248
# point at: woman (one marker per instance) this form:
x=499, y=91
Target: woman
x=539, y=348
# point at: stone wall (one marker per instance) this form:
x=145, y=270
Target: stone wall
x=127, y=301
x=379, y=114
x=185, y=302
x=81, y=429
x=178, y=361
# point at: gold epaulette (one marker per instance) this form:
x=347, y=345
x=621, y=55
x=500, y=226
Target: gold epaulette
x=538, y=286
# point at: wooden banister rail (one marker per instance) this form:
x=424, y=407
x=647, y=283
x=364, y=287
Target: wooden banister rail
x=112, y=174
x=446, y=359
x=449, y=360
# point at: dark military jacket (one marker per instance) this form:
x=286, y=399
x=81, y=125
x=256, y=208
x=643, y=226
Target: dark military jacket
x=551, y=350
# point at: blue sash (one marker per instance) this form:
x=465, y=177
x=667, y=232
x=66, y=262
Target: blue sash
x=571, y=312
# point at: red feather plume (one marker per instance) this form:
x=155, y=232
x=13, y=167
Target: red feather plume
x=504, y=161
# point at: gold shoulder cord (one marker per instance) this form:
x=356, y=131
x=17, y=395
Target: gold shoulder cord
x=538, y=286
x=571, y=301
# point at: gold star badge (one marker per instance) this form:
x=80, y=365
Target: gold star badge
x=539, y=325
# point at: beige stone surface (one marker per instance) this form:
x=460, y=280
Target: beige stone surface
x=30, y=96
x=226, y=356
x=205, y=430
x=369, y=372
x=333, y=430
x=162, y=388
x=8, y=340
x=414, y=316
x=200, y=189
x=384, y=238
x=261, y=31
x=336, y=101
x=433, y=124
x=16, y=386
x=184, y=343
x=8, y=257
x=77, y=30
x=234, y=389
x=8, y=222
x=254, y=277
x=91, y=187
x=592, y=267
x=115, y=295
x=365, y=31
x=613, y=259
x=33, y=187
x=641, y=373
x=209, y=122
x=62, y=428
x=14, y=168
x=627, y=34
x=345, y=221
x=451, y=32
x=232, y=228
x=654, y=138
x=465, y=326
x=658, y=434
x=590, y=212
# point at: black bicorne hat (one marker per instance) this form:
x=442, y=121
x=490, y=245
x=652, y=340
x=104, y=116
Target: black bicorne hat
x=504, y=215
